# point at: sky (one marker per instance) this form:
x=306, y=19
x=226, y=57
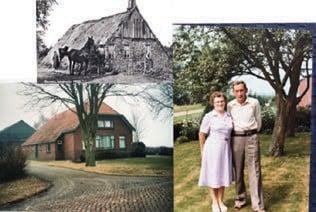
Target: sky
x=158, y=131
x=69, y=12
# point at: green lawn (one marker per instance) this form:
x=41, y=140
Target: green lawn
x=188, y=117
x=285, y=179
x=153, y=163
x=181, y=108
x=149, y=166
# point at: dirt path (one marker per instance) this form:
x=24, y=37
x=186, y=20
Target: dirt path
x=82, y=191
x=45, y=75
x=182, y=113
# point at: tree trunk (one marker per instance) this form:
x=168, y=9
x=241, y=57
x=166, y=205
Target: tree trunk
x=90, y=151
x=290, y=132
x=280, y=125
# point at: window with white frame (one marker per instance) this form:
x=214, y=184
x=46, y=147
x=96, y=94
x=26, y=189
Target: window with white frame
x=104, y=142
x=122, y=142
x=105, y=123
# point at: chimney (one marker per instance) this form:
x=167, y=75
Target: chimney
x=131, y=4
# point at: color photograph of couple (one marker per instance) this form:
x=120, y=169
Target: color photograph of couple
x=242, y=111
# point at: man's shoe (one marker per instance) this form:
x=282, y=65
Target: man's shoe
x=239, y=205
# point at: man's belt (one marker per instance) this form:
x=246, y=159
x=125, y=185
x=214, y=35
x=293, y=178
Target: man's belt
x=245, y=133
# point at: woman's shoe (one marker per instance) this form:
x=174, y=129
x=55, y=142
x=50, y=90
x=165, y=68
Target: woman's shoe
x=216, y=208
x=223, y=208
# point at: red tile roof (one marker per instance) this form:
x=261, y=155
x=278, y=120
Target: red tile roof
x=61, y=123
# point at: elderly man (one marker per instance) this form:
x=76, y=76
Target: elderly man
x=245, y=145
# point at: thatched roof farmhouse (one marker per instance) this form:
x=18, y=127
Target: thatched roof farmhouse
x=127, y=40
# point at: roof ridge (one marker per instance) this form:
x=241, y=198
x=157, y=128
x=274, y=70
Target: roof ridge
x=102, y=18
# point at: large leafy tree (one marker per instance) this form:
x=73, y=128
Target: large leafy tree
x=202, y=63
x=281, y=57
x=206, y=58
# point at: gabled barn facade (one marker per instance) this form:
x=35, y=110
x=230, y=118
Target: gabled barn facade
x=128, y=43
x=16, y=133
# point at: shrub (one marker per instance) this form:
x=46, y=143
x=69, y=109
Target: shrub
x=303, y=119
x=190, y=130
x=165, y=151
x=182, y=139
x=106, y=154
x=268, y=117
x=138, y=149
x=176, y=130
x=12, y=162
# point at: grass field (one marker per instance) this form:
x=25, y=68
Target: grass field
x=188, y=118
x=149, y=166
x=21, y=188
x=285, y=179
x=182, y=108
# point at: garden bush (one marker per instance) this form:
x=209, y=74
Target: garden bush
x=165, y=151
x=138, y=149
x=12, y=162
x=182, y=139
x=303, y=119
x=190, y=130
x=268, y=117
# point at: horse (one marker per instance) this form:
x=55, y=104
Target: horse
x=81, y=56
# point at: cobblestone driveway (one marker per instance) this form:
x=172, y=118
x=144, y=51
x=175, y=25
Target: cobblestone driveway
x=82, y=191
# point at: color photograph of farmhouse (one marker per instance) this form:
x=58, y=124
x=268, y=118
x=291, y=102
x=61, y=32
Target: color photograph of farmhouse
x=86, y=147
x=60, y=137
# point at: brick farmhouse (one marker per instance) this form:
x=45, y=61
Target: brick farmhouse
x=307, y=98
x=60, y=137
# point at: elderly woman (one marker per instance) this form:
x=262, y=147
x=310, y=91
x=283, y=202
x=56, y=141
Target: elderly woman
x=214, y=137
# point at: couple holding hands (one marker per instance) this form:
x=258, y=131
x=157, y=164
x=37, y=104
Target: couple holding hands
x=227, y=139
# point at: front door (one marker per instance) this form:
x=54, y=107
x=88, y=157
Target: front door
x=36, y=150
x=60, y=150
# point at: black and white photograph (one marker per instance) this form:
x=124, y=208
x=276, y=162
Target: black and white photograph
x=125, y=41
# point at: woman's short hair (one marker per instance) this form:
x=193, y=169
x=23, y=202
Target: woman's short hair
x=215, y=95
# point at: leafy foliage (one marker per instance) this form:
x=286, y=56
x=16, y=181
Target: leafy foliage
x=201, y=63
x=181, y=139
x=187, y=130
x=207, y=57
x=303, y=119
x=268, y=115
